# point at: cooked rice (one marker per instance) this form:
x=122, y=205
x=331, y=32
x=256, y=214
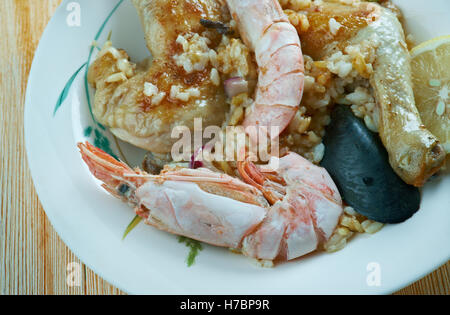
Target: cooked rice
x=196, y=52
x=152, y=92
x=177, y=92
x=334, y=26
x=116, y=77
x=125, y=66
x=298, y=19
x=124, y=69
x=295, y=5
x=341, y=78
x=234, y=59
x=215, y=77
x=371, y=227
x=263, y=263
x=350, y=223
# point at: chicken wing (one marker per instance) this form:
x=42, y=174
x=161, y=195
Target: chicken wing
x=415, y=154
x=141, y=104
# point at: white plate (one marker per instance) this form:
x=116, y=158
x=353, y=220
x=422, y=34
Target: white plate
x=91, y=222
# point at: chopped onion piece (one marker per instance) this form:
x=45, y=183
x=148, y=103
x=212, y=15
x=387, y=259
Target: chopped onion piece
x=235, y=86
x=197, y=158
x=194, y=163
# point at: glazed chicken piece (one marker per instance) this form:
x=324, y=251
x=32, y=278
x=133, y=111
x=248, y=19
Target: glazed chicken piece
x=164, y=20
x=141, y=104
x=414, y=153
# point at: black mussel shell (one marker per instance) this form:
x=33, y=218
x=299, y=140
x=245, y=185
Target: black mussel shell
x=358, y=163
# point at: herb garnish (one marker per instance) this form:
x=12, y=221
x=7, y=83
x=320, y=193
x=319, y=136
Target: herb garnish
x=137, y=219
x=195, y=247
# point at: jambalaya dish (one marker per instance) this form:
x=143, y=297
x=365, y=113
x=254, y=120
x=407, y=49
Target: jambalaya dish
x=329, y=80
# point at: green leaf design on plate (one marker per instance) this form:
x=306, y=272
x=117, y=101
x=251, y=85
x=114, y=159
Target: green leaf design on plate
x=88, y=131
x=86, y=83
x=194, y=246
x=102, y=142
x=137, y=219
x=65, y=91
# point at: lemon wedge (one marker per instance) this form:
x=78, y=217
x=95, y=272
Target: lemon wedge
x=430, y=66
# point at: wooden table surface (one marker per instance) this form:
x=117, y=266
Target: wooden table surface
x=33, y=259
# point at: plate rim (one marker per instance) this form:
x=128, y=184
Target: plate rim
x=31, y=164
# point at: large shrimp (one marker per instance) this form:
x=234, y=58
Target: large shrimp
x=266, y=30
x=281, y=214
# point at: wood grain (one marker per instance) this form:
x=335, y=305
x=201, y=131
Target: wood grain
x=33, y=259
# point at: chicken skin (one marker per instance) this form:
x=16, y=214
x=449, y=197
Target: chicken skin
x=415, y=153
x=142, y=103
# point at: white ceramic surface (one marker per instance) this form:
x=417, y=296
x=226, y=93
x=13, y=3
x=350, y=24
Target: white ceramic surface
x=91, y=222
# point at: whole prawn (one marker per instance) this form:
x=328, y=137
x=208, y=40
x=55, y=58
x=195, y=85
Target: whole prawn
x=275, y=214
